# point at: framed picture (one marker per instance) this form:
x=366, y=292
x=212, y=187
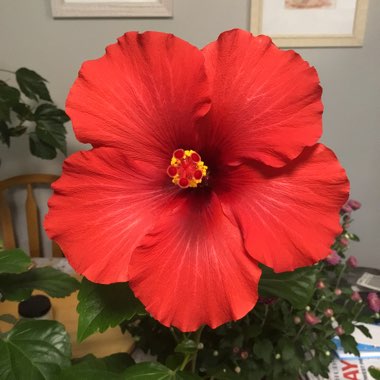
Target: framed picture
x=111, y=8
x=303, y=23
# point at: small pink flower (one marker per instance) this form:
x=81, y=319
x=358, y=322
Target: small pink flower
x=338, y=292
x=355, y=296
x=354, y=205
x=346, y=209
x=339, y=330
x=344, y=242
x=352, y=261
x=320, y=284
x=244, y=355
x=236, y=350
x=311, y=319
x=373, y=302
x=333, y=258
x=329, y=312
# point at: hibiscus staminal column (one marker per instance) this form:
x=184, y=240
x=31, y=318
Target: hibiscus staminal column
x=186, y=168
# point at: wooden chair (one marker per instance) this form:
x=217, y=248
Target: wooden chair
x=31, y=209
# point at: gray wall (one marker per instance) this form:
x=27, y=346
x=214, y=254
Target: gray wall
x=350, y=77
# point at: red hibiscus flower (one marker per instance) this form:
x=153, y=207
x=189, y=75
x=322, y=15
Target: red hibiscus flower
x=204, y=163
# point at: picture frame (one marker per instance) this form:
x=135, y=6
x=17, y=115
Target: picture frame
x=291, y=23
x=111, y=8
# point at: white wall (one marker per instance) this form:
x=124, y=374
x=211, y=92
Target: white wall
x=350, y=77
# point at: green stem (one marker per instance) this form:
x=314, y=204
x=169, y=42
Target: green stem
x=340, y=276
x=299, y=332
x=7, y=71
x=359, y=311
x=265, y=316
x=197, y=340
x=174, y=335
x=184, y=363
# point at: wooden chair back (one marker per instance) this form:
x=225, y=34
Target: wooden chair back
x=31, y=209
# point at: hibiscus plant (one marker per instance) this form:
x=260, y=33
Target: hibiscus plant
x=204, y=218
x=29, y=109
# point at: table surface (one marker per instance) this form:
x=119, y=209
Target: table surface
x=64, y=311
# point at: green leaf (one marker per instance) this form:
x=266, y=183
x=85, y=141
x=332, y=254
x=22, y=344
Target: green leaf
x=34, y=350
x=187, y=346
x=353, y=236
x=349, y=344
x=48, y=111
x=297, y=287
x=8, y=97
x=288, y=351
x=17, y=287
x=5, y=135
x=23, y=111
x=155, y=371
x=364, y=330
x=52, y=133
x=348, y=327
x=118, y=362
x=17, y=131
x=151, y=371
x=40, y=149
x=14, y=261
x=32, y=84
x=90, y=367
x=374, y=372
x=263, y=349
x=8, y=318
x=104, y=306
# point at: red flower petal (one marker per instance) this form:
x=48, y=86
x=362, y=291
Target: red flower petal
x=192, y=269
x=289, y=216
x=101, y=208
x=266, y=103
x=144, y=95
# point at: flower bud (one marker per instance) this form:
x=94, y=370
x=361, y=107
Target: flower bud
x=244, y=355
x=237, y=369
x=333, y=258
x=373, y=301
x=327, y=353
x=338, y=292
x=216, y=353
x=320, y=284
x=339, y=330
x=356, y=297
x=235, y=350
x=352, y=261
x=329, y=312
x=278, y=356
x=354, y=204
x=307, y=308
x=200, y=346
x=311, y=319
x=297, y=320
x=344, y=242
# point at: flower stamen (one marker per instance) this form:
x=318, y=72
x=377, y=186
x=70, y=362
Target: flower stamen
x=186, y=168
